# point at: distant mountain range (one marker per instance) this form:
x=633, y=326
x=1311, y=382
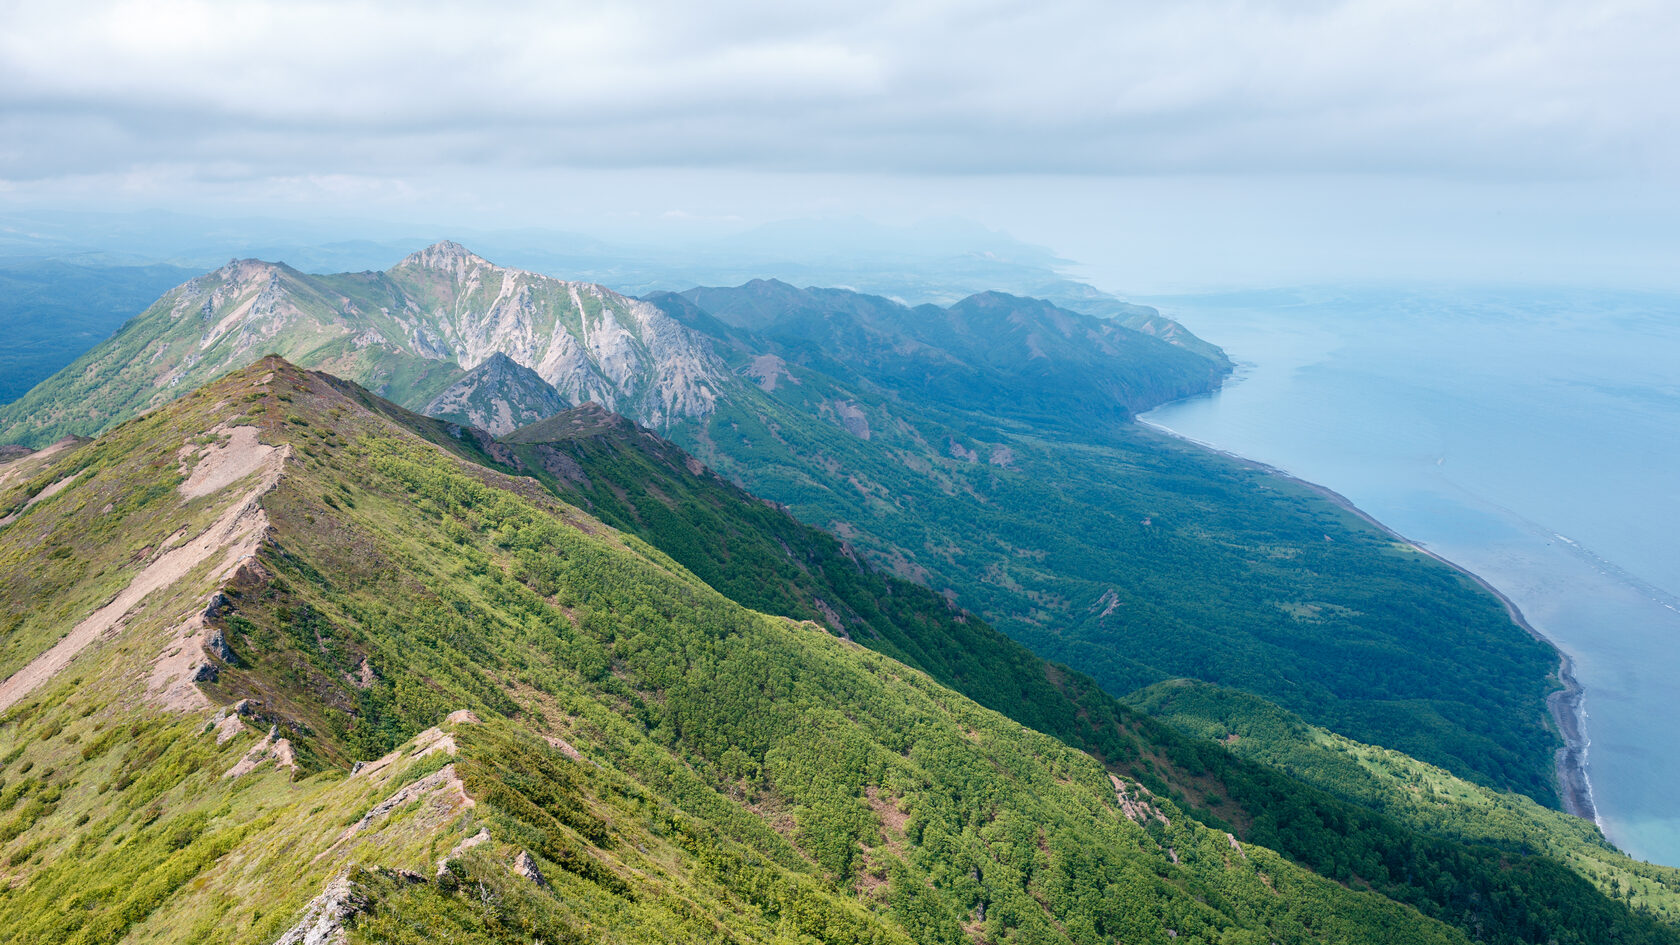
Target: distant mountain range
x=418, y=328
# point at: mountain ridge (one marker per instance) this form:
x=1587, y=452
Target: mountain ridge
x=409, y=332
x=637, y=752
x=1023, y=493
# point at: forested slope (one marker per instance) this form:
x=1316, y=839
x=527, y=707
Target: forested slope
x=642, y=759
x=760, y=556
x=982, y=449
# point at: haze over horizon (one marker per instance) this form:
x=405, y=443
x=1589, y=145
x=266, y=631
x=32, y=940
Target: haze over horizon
x=1194, y=146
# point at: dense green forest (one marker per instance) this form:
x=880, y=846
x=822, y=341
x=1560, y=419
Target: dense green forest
x=760, y=556
x=1409, y=791
x=1136, y=559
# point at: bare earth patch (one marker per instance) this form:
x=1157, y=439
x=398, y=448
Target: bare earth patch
x=892, y=819
x=46, y=493
x=224, y=464
x=278, y=750
x=233, y=536
x=175, y=673
x=565, y=747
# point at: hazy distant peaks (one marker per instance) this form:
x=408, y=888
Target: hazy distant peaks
x=446, y=255
x=995, y=299
x=246, y=270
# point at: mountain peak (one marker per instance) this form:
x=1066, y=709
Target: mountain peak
x=246, y=270
x=444, y=254
x=992, y=298
x=584, y=420
x=499, y=395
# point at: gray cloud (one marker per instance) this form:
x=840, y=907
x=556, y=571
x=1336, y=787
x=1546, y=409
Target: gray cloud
x=385, y=90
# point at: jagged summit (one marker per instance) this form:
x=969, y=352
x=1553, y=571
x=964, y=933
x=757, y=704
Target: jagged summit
x=498, y=396
x=408, y=334
x=446, y=255
x=239, y=272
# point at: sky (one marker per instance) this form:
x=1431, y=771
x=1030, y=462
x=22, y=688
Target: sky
x=1162, y=146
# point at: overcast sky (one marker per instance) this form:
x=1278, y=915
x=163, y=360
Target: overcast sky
x=1160, y=144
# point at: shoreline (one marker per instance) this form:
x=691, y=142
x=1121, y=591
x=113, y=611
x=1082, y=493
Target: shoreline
x=1566, y=706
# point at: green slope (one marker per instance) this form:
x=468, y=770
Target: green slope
x=676, y=766
x=1101, y=546
x=1412, y=792
x=760, y=556
x=1136, y=559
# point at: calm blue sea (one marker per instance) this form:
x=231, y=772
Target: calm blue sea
x=1532, y=436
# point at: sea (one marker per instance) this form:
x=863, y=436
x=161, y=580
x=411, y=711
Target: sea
x=1531, y=436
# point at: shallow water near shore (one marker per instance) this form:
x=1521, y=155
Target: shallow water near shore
x=1531, y=436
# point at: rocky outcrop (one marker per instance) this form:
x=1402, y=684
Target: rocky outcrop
x=476, y=840
x=403, y=333
x=525, y=866
x=498, y=396
x=325, y=917
x=271, y=748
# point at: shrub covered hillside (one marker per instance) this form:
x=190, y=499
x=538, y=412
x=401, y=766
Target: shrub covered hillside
x=1410, y=791
x=983, y=449
x=279, y=666
x=761, y=557
x=1101, y=544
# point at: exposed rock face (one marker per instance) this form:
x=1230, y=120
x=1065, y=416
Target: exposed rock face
x=216, y=643
x=324, y=918
x=586, y=341
x=405, y=333
x=498, y=396
x=476, y=840
x=271, y=748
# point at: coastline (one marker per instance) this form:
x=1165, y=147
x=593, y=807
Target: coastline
x=1566, y=705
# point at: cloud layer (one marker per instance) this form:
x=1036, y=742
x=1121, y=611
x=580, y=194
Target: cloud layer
x=345, y=93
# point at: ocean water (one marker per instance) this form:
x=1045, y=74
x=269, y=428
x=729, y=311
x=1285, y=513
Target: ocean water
x=1532, y=436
